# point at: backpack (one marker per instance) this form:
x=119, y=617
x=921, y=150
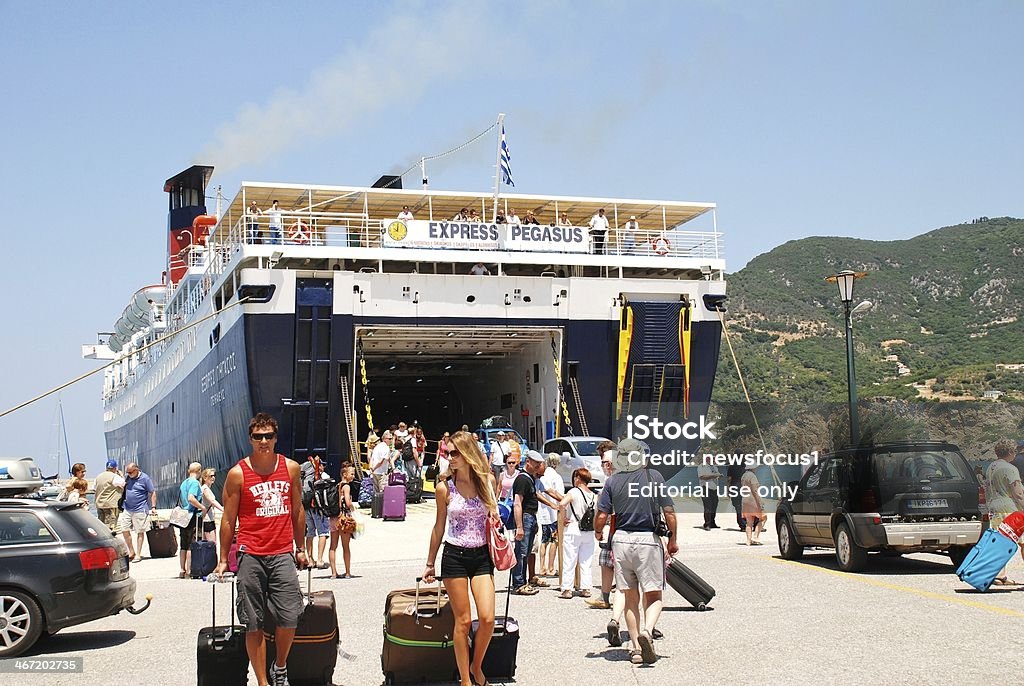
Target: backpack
x=309, y=473
x=327, y=497
x=587, y=520
x=406, y=452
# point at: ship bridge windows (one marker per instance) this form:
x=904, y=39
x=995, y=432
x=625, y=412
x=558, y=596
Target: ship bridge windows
x=444, y=377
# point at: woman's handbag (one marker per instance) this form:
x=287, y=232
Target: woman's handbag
x=502, y=554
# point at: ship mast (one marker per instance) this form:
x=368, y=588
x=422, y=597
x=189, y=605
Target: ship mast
x=497, y=165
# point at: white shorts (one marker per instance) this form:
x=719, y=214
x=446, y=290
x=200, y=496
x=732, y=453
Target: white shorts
x=133, y=521
x=639, y=561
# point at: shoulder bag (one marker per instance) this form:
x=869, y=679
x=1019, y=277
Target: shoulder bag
x=660, y=526
x=502, y=554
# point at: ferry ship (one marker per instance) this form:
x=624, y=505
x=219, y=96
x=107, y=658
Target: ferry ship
x=336, y=313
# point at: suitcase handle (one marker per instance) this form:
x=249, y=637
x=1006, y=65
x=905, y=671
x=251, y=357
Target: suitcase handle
x=213, y=580
x=416, y=603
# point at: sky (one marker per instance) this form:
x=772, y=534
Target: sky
x=875, y=120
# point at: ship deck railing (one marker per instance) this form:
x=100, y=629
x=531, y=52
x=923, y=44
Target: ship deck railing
x=340, y=230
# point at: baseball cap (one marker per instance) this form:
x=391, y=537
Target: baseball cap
x=630, y=455
x=535, y=456
x=111, y=464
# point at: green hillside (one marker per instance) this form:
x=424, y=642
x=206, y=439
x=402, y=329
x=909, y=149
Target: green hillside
x=948, y=304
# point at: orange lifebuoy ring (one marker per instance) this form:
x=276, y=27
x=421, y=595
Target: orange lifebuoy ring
x=661, y=246
x=297, y=233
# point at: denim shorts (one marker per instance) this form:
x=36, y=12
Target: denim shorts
x=317, y=524
x=548, y=533
x=458, y=562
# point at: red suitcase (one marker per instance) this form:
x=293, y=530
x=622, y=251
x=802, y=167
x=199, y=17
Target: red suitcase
x=394, y=503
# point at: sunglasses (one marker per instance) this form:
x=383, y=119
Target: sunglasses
x=453, y=453
x=263, y=437
x=606, y=463
x=512, y=462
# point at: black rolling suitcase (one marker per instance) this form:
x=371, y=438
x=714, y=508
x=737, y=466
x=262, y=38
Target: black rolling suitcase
x=314, y=652
x=686, y=583
x=203, y=558
x=221, y=659
x=500, y=658
x=377, y=506
x=163, y=540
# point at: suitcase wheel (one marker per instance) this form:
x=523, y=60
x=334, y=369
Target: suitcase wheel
x=701, y=607
x=389, y=678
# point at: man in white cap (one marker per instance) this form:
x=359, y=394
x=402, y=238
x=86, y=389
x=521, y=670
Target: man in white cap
x=639, y=552
x=525, y=502
x=630, y=234
x=498, y=449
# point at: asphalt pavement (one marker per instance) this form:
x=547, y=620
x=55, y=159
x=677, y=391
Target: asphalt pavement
x=906, y=620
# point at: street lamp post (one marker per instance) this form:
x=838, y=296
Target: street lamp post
x=845, y=280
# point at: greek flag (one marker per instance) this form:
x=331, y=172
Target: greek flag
x=506, y=169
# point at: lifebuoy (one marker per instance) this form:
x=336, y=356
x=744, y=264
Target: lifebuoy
x=297, y=233
x=661, y=246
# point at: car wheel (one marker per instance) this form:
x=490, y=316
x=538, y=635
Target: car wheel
x=850, y=556
x=957, y=554
x=788, y=546
x=21, y=622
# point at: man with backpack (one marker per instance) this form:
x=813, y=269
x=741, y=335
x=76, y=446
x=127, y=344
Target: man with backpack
x=317, y=524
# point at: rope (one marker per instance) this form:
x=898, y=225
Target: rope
x=454, y=150
x=113, y=362
x=746, y=394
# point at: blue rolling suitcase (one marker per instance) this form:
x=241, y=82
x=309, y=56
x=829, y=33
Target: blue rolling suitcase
x=986, y=559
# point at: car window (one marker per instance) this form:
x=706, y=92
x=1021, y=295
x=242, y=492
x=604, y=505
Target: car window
x=588, y=448
x=20, y=528
x=813, y=476
x=922, y=464
x=829, y=474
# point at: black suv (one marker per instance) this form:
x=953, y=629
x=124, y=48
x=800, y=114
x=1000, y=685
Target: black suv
x=60, y=567
x=906, y=497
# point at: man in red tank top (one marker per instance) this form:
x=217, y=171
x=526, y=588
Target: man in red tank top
x=263, y=492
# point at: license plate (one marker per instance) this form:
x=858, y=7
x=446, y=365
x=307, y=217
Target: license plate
x=929, y=503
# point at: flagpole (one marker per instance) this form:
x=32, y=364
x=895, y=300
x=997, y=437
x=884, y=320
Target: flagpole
x=497, y=165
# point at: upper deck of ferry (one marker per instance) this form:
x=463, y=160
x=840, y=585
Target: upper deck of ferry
x=358, y=224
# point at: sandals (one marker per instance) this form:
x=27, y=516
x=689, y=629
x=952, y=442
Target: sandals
x=183, y=575
x=585, y=593
x=614, y=639
x=526, y=589
x=635, y=657
x=539, y=583
x=565, y=595
x=647, y=649
x=1003, y=581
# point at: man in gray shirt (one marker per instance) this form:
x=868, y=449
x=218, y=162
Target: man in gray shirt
x=637, y=498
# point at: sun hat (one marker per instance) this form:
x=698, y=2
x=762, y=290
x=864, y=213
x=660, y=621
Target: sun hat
x=630, y=455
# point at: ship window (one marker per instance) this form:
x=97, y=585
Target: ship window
x=323, y=342
x=536, y=373
x=304, y=312
x=301, y=420
x=302, y=340
x=172, y=408
x=158, y=420
x=302, y=369
x=320, y=381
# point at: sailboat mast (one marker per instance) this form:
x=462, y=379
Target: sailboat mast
x=64, y=432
